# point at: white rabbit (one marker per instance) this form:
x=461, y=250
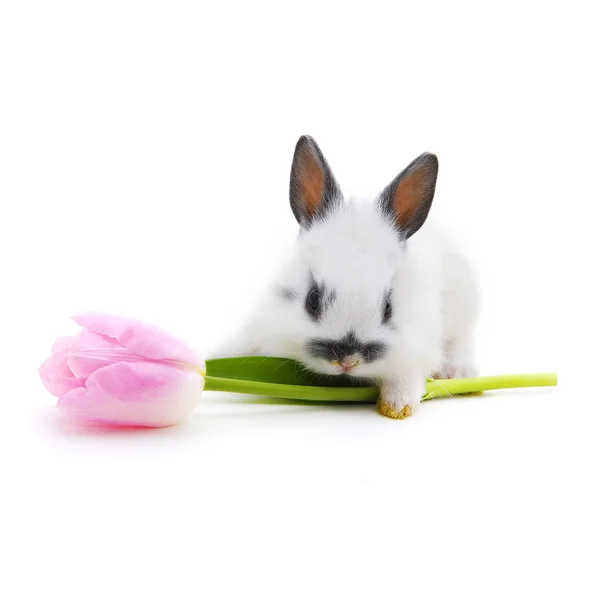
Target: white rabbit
x=368, y=292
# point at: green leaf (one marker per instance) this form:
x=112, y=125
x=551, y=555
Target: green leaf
x=268, y=369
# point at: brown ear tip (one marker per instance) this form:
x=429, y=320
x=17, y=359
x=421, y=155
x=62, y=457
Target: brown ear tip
x=430, y=158
x=427, y=162
x=305, y=140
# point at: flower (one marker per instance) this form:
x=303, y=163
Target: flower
x=127, y=373
x=123, y=372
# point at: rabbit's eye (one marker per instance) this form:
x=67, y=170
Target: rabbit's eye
x=387, y=309
x=313, y=302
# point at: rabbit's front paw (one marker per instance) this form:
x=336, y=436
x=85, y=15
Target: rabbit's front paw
x=459, y=361
x=399, y=398
x=390, y=411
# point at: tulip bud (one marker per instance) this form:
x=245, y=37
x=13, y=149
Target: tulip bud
x=122, y=372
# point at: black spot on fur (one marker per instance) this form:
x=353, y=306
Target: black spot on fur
x=287, y=294
x=347, y=346
x=387, y=308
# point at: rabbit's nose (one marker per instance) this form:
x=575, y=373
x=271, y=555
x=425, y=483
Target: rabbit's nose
x=346, y=364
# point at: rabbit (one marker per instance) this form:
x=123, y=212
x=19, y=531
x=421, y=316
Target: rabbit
x=368, y=291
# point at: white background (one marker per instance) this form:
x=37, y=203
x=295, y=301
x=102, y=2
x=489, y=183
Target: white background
x=144, y=161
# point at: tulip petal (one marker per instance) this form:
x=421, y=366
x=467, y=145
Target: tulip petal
x=56, y=375
x=138, y=394
x=140, y=338
x=91, y=351
x=134, y=381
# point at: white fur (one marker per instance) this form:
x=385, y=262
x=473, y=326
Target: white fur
x=359, y=254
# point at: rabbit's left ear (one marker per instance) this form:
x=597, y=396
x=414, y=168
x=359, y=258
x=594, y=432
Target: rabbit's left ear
x=313, y=189
x=408, y=198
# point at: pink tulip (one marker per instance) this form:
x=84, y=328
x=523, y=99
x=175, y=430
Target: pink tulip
x=123, y=372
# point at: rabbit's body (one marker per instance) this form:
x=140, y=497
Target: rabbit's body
x=364, y=296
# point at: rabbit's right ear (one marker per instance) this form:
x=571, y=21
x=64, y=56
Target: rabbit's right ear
x=313, y=189
x=407, y=200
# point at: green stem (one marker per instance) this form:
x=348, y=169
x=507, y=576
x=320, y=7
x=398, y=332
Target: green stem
x=434, y=388
x=450, y=387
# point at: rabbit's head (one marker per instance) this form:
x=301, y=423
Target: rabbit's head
x=339, y=295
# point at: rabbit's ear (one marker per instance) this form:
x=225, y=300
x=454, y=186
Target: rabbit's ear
x=408, y=198
x=313, y=189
